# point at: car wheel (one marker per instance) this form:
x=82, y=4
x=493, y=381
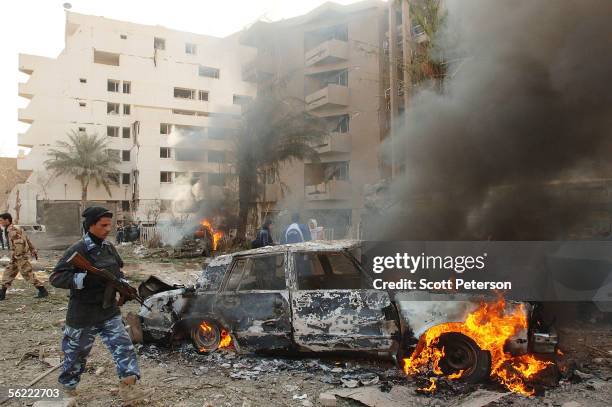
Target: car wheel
x=206, y=336
x=462, y=353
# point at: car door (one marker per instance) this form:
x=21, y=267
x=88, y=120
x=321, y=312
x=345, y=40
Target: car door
x=331, y=310
x=254, y=302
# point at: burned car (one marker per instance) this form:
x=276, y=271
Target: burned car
x=308, y=297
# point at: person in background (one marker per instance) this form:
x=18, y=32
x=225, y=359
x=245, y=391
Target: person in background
x=120, y=233
x=297, y=232
x=264, y=235
x=2, y=238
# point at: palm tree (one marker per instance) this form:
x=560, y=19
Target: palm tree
x=85, y=157
x=272, y=131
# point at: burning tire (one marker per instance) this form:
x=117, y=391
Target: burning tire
x=462, y=354
x=206, y=336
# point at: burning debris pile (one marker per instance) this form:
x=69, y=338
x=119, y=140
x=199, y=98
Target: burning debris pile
x=440, y=349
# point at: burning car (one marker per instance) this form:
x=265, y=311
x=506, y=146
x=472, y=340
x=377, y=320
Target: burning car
x=308, y=297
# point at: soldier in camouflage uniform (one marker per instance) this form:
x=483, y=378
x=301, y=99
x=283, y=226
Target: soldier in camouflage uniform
x=87, y=316
x=21, y=248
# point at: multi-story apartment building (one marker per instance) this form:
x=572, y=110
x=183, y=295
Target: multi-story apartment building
x=167, y=101
x=333, y=59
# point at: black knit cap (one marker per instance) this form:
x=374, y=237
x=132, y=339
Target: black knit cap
x=93, y=214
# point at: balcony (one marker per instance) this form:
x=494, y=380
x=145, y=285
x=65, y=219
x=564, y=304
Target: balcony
x=330, y=96
x=328, y=191
x=25, y=116
x=25, y=90
x=25, y=139
x=328, y=52
x=29, y=63
x=259, y=68
x=334, y=143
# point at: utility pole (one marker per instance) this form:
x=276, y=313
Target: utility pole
x=393, y=91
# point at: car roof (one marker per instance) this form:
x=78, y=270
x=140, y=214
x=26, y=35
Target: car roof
x=311, y=246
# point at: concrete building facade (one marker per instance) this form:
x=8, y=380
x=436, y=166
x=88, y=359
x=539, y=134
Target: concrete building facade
x=167, y=101
x=333, y=59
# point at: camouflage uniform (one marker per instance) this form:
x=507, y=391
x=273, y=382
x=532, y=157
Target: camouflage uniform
x=77, y=344
x=21, y=247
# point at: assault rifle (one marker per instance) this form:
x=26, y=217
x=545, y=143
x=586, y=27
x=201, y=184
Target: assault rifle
x=113, y=284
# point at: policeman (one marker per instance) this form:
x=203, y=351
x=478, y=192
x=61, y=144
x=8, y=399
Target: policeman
x=87, y=317
x=20, y=246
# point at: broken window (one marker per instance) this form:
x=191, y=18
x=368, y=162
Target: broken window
x=165, y=152
x=216, y=179
x=106, y=58
x=326, y=271
x=112, y=85
x=215, y=156
x=264, y=273
x=125, y=178
x=165, y=128
x=127, y=109
x=190, y=49
x=165, y=176
x=208, y=72
x=126, y=132
x=242, y=100
x=159, y=43
x=125, y=206
x=125, y=155
x=235, y=274
x=112, y=108
x=203, y=95
x=127, y=87
x=112, y=131
x=182, y=93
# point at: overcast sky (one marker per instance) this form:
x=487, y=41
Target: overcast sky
x=37, y=27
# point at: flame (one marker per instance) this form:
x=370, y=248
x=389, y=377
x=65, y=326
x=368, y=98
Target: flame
x=432, y=386
x=225, y=341
x=490, y=326
x=216, y=235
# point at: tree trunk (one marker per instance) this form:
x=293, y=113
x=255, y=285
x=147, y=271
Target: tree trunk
x=84, y=186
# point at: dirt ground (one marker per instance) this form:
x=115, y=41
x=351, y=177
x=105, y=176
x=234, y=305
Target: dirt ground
x=181, y=377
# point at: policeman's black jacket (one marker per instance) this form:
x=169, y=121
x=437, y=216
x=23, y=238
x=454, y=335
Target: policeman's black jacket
x=85, y=305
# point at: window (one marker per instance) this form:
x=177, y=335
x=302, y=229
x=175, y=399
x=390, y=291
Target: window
x=183, y=93
x=125, y=155
x=126, y=132
x=82, y=104
x=340, y=124
x=165, y=152
x=242, y=100
x=113, y=177
x=112, y=131
x=125, y=206
x=127, y=109
x=112, y=108
x=208, y=72
x=123, y=37
x=264, y=273
x=159, y=43
x=165, y=128
x=112, y=85
x=215, y=156
x=320, y=271
x=165, y=176
x=203, y=95
x=338, y=171
x=235, y=274
x=82, y=130
x=216, y=179
x=190, y=49
x=106, y=58
x=127, y=87
x=125, y=178
x=82, y=80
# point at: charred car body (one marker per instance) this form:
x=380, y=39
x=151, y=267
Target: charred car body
x=308, y=297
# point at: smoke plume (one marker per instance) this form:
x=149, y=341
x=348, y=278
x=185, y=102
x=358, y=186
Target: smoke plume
x=525, y=111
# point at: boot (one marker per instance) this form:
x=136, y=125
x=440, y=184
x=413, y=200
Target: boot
x=130, y=392
x=2, y=293
x=42, y=292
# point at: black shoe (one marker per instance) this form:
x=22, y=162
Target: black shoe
x=42, y=292
x=2, y=294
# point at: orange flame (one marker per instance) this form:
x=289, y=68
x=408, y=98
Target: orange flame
x=490, y=326
x=224, y=342
x=432, y=386
x=216, y=235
